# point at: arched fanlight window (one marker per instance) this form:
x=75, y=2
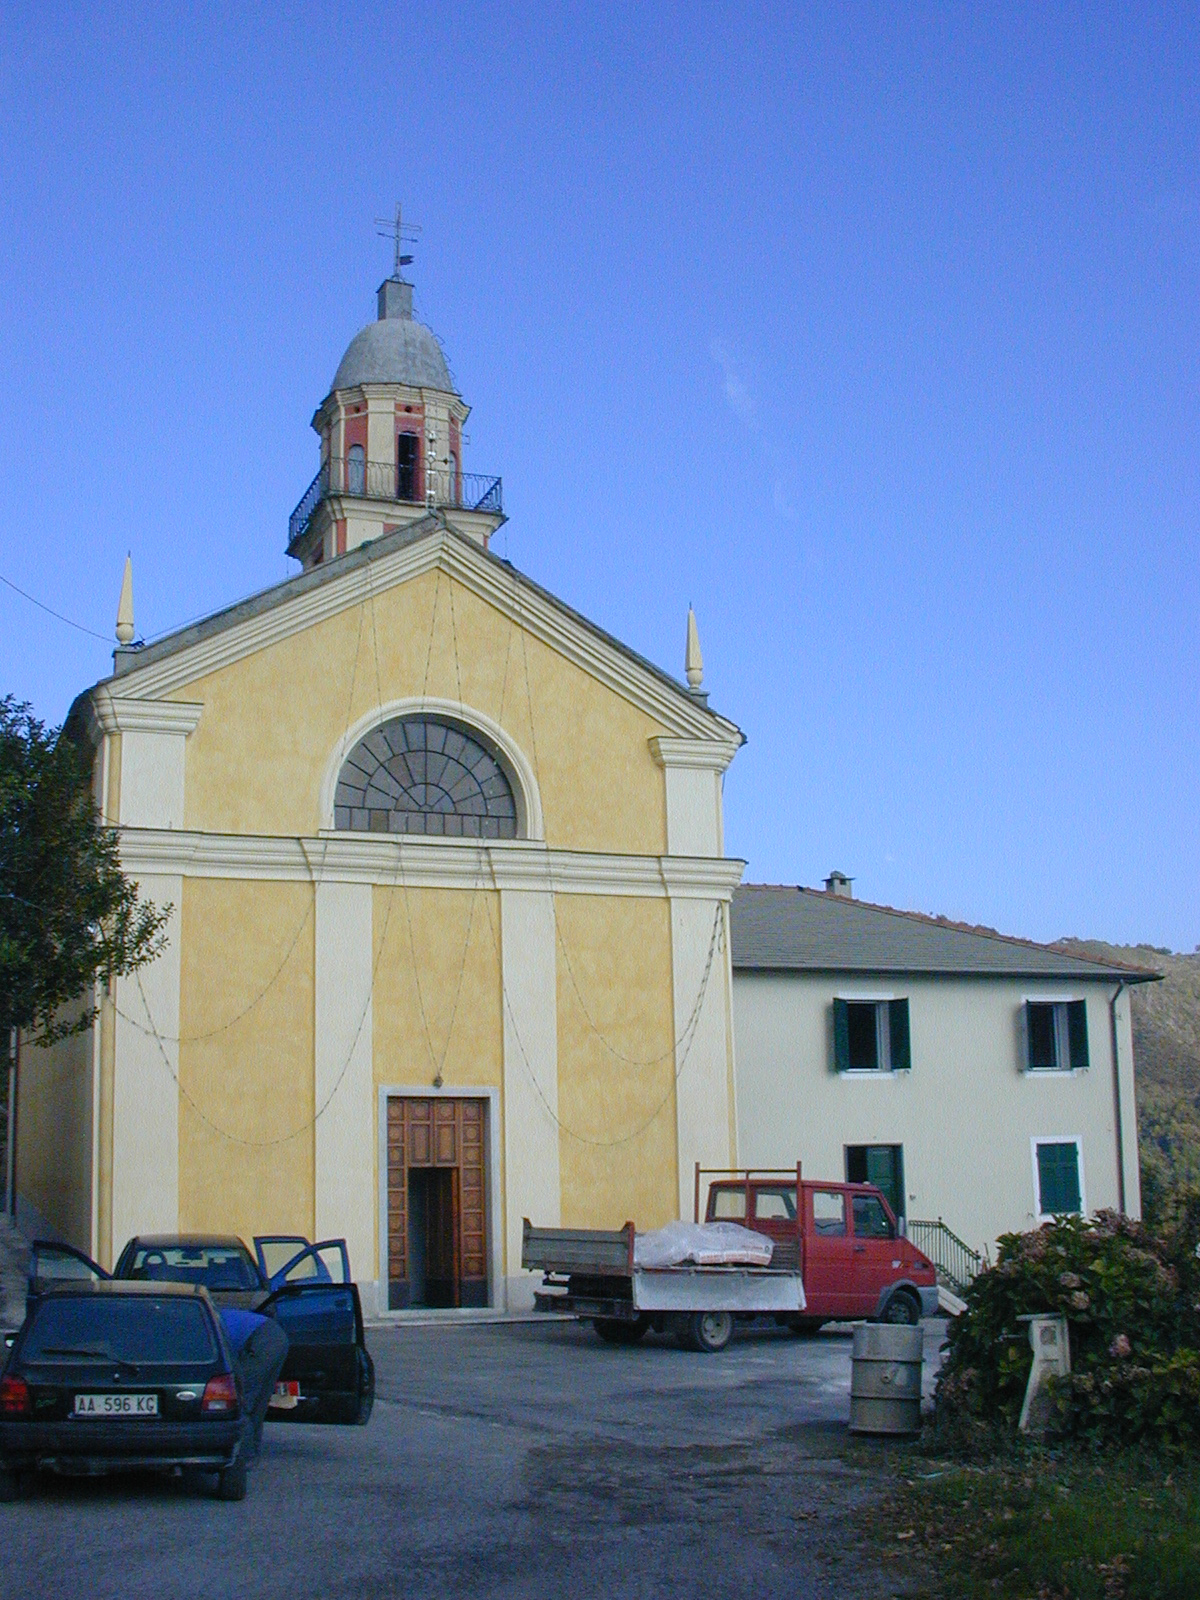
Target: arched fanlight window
x=427, y=775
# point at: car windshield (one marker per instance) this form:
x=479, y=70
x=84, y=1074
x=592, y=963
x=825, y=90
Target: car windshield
x=216, y=1266
x=139, y=1329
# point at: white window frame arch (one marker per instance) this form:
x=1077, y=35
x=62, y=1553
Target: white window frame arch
x=525, y=789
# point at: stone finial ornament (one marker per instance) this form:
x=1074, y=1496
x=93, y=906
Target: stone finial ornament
x=694, y=661
x=125, y=606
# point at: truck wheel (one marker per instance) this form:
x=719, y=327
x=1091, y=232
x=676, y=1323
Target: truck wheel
x=903, y=1308
x=710, y=1331
x=614, y=1330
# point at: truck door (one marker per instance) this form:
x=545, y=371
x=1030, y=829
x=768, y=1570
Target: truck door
x=876, y=1254
x=826, y=1266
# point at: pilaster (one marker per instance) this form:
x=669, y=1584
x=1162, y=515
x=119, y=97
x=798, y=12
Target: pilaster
x=343, y=1072
x=532, y=1182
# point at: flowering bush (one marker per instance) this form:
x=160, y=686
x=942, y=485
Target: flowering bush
x=1131, y=1298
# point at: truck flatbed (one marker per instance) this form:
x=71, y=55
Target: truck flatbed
x=592, y=1273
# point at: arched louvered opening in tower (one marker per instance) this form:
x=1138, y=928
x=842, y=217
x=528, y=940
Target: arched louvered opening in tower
x=425, y=775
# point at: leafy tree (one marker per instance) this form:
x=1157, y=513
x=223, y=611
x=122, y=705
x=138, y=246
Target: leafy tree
x=69, y=918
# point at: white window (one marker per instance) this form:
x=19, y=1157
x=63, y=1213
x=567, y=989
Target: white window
x=1056, y=1036
x=871, y=1036
x=1058, y=1177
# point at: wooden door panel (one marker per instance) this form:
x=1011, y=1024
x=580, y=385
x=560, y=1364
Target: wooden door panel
x=443, y=1133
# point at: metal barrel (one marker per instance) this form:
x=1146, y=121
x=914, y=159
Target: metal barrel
x=885, y=1379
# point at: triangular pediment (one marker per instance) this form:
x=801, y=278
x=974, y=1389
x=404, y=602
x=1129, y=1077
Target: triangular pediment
x=288, y=609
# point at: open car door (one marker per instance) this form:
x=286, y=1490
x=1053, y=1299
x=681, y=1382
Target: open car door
x=328, y=1375
x=287, y=1258
x=50, y=1262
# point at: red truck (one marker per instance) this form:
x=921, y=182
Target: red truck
x=854, y=1259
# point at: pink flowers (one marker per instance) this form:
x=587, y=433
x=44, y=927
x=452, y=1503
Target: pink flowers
x=1120, y=1348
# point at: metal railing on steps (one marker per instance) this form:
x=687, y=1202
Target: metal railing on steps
x=956, y=1262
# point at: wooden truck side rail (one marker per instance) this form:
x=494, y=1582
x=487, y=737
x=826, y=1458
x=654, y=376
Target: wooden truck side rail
x=578, y=1252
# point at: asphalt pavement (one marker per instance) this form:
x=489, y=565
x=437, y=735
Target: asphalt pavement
x=506, y=1460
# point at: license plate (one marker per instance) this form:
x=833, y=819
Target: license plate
x=287, y=1394
x=116, y=1405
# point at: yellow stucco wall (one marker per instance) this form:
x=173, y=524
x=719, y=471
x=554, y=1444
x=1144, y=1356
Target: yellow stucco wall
x=54, y=1135
x=246, y=1057
x=616, y=1076
x=454, y=935
x=271, y=722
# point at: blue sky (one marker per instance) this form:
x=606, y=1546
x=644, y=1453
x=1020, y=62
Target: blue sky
x=870, y=330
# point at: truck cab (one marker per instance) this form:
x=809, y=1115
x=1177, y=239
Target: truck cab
x=854, y=1259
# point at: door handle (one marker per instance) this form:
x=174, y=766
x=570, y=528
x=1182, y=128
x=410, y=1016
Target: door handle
x=860, y=1249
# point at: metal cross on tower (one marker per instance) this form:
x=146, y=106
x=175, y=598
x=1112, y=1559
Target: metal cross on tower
x=401, y=233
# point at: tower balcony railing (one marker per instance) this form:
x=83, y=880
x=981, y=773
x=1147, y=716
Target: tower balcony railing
x=384, y=480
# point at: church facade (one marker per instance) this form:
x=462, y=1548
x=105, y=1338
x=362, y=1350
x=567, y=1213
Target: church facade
x=449, y=940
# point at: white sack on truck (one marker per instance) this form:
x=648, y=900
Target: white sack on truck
x=708, y=1244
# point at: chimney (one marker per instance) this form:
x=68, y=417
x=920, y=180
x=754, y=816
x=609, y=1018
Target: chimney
x=838, y=883
x=395, y=299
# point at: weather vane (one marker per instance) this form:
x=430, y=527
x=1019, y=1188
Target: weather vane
x=401, y=233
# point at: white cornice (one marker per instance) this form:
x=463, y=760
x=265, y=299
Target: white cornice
x=711, y=755
x=121, y=714
x=459, y=557
x=425, y=864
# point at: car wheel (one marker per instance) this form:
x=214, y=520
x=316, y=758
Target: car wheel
x=802, y=1327
x=710, y=1331
x=231, y=1484
x=903, y=1309
x=14, y=1484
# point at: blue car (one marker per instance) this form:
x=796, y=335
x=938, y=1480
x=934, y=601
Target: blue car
x=328, y=1376
x=106, y=1375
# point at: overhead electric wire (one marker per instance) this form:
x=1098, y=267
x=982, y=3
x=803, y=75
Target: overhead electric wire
x=50, y=611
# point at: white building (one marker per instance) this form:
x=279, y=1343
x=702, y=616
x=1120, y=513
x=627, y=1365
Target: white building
x=981, y=1080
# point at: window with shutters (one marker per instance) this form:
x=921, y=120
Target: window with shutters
x=1056, y=1037
x=1058, y=1177
x=871, y=1036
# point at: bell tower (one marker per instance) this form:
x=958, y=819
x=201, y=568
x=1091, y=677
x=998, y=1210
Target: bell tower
x=391, y=431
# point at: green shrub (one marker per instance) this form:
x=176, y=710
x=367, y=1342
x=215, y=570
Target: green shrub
x=1131, y=1298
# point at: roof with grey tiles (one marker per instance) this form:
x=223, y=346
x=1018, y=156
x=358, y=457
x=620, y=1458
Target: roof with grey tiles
x=785, y=928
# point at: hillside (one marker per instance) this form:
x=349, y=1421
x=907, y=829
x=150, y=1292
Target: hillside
x=1166, y=1049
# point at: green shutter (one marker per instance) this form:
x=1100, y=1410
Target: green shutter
x=1058, y=1179
x=1077, y=1030
x=898, y=1023
x=841, y=1036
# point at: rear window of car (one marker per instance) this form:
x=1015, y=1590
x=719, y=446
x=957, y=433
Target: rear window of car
x=729, y=1203
x=216, y=1266
x=141, y=1328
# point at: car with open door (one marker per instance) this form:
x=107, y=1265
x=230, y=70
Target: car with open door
x=106, y=1375
x=328, y=1376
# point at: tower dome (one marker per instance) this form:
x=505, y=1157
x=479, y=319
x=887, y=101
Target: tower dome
x=395, y=348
